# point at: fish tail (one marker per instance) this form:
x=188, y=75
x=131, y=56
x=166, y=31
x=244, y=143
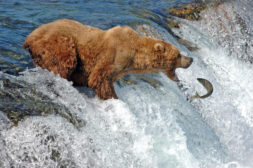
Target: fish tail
x=195, y=96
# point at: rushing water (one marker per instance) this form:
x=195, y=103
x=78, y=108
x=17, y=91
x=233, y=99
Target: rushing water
x=154, y=123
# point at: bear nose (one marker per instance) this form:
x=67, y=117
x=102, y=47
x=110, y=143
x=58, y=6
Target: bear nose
x=191, y=60
x=188, y=62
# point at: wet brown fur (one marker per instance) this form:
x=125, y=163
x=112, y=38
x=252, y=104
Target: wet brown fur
x=96, y=58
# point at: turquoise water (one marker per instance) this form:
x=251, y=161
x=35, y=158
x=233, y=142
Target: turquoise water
x=155, y=123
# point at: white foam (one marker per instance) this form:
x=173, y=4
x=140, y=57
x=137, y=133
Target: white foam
x=142, y=132
x=229, y=110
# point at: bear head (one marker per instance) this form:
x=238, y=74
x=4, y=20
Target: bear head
x=168, y=58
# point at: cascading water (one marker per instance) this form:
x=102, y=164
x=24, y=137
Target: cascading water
x=155, y=123
x=225, y=36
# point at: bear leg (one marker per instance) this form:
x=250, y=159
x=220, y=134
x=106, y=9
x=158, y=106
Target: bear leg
x=100, y=80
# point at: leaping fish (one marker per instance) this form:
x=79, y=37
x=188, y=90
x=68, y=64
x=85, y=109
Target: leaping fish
x=208, y=86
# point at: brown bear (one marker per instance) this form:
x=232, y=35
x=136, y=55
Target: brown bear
x=96, y=58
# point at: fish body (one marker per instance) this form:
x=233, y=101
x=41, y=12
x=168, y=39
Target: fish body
x=207, y=85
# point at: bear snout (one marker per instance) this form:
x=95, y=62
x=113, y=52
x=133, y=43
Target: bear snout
x=186, y=61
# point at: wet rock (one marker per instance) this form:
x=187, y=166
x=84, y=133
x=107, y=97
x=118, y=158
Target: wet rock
x=189, y=12
x=19, y=100
x=192, y=10
x=172, y=23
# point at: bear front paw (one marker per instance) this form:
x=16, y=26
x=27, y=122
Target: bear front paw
x=106, y=91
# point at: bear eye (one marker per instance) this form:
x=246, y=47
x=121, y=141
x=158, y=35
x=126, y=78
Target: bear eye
x=179, y=56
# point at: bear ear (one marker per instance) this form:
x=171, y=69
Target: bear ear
x=159, y=47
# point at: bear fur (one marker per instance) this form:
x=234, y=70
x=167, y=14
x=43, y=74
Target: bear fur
x=96, y=58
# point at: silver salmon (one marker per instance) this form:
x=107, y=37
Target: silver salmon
x=208, y=86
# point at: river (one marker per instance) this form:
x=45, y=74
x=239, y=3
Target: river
x=46, y=122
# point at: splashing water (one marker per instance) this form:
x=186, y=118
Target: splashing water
x=225, y=46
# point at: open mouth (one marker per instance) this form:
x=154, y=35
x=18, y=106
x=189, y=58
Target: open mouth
x=175, y=78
